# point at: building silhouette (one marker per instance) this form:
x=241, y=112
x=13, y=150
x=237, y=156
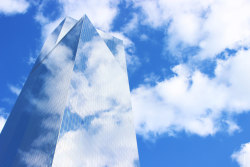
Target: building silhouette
x=74, y=109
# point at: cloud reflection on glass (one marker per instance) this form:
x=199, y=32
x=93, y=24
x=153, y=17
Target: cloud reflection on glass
x=74, y=109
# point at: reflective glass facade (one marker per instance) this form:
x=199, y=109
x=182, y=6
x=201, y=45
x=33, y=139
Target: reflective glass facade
x=74, y=109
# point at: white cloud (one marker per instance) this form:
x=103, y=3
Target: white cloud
x=47, y=25
x=243, y=155
x=101, y=13
x=193, y=102
x=10, y=7
x=2, y=119
x=14, y=89
x=128, y=44
x=2, y=122
x=211, y=25
x=232, y=126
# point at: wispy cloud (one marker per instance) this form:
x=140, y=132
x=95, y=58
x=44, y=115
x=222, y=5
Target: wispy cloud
x=144, y=37
x=14, y=89
x=31, y=60
x=11, y=7
x=132, y=25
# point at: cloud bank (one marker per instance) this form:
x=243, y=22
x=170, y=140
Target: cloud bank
x=210, y=25
x=192, y=102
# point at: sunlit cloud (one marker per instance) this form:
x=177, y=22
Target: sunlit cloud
x=2, y=122
x=101, y=12
x=11, y=7
x=2, y=119
x=242, y=156
x=209, y=25
x=192, y=102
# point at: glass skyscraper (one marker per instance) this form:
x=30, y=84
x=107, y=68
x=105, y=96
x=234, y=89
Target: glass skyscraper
x=74, y=109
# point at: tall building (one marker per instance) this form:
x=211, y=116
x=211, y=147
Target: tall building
x=74, y=109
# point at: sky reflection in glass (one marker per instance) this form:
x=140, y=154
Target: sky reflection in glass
x=74, y=109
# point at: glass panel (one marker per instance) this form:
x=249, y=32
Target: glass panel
x=75, y=105
x=31, y=131
x=97, y=128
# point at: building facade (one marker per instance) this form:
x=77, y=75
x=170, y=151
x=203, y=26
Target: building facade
x=74, y=109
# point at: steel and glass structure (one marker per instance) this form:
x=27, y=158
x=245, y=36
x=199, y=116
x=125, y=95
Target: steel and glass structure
x=74, y=109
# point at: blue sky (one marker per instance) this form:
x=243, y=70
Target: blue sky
x=188, y=66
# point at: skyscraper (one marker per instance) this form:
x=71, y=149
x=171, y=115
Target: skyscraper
x=74, y=109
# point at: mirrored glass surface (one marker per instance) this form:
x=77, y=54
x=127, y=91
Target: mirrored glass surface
x=30, y=134
x=74, y=109
x=97, y=128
